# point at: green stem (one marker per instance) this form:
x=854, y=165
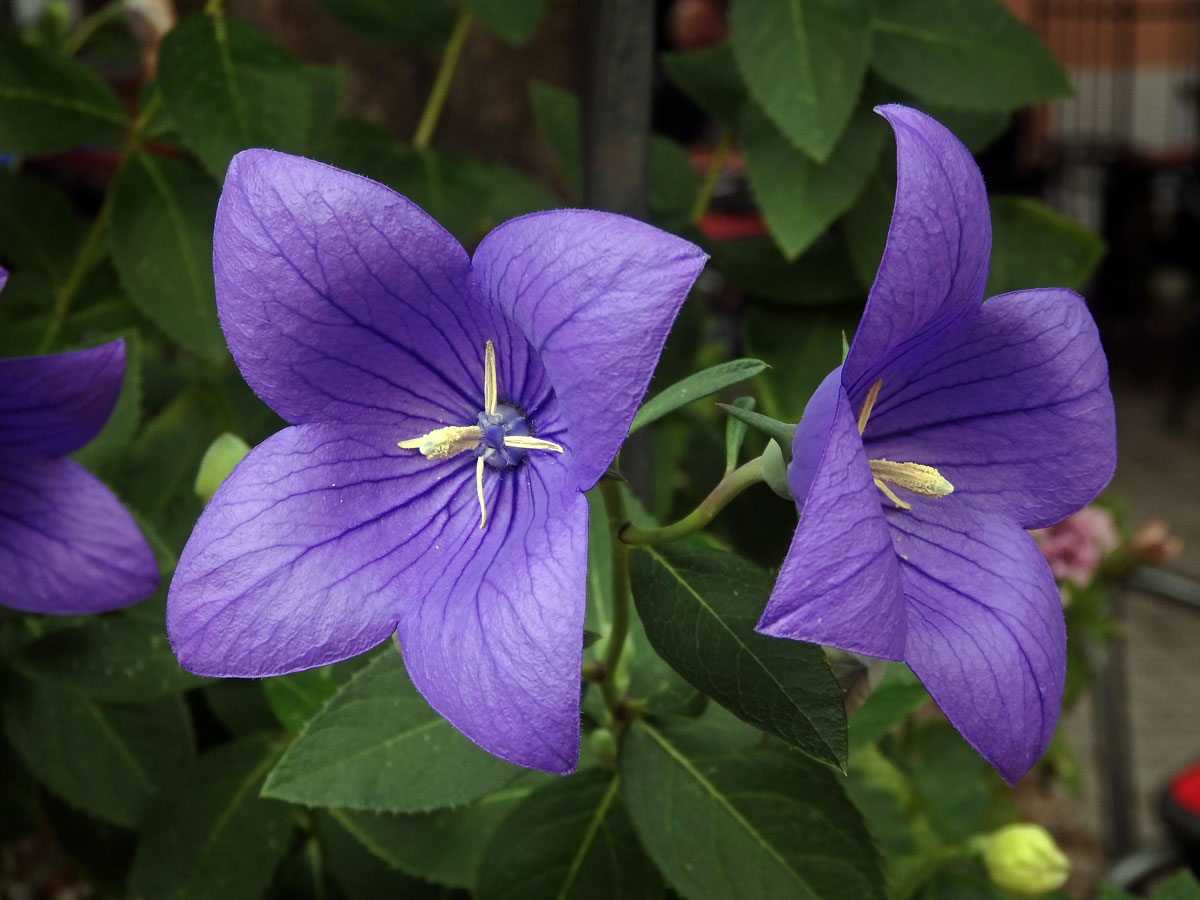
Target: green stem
x=715, y=167
x=95, y=236
x=619, y=629
x=728, y=488
x=89, y=25
x=441, y=84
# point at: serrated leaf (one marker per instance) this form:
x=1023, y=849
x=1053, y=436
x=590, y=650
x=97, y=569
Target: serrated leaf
x=122, y=656
x=803, y=62
x=702, y=384
x=1032, y=246
x=414, y=23
x=800, y=198
x=967, y=53
x=710, y=77
x=107, y=759
x=229, y=87
x=49, y=102
x=209, y=836
x=699, y=607
x=377, y=745
x=162, y=246
x=760, y=825
x=513, y=20
x=569, y=840
x=445, y=846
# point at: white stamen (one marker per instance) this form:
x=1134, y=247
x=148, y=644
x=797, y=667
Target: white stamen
x=526, y=442
x=489, y=379
x=479, y=490
x=443, y=443
x=924, y=480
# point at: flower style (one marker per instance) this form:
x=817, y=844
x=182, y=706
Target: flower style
x=446, y=415
x=951, y=427
x=67, y=545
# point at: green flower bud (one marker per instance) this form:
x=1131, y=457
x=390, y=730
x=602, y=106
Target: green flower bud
x=219, y=459
x=1024, y=860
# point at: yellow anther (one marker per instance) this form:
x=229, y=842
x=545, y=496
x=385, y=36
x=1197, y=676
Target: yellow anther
x=443, y=443
x=868, y=405
x=924, y=480
x=489, y=379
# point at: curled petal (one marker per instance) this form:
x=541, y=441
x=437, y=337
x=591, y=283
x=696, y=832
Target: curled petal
x=840, y=583
x=595, y=293
x=67, y=545
x=985, y=627
x=496, y=645
x=343, y=302
x=1013, y=408
x=935, y=262
x=307, y=550
x=52, y=405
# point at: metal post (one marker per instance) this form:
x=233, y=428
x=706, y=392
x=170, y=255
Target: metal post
x=616, y=39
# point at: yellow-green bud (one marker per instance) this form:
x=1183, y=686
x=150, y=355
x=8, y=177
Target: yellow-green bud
x=1024, y=860
x=219, y=459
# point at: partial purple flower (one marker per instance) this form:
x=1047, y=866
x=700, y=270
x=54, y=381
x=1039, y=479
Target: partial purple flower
x=952, y=427
x=67, y=545
x=447, y=413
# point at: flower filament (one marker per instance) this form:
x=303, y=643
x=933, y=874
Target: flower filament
x=500, y=437
x=925, y=481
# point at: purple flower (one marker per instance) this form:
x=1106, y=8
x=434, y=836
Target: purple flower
x=447, y=413
x=67, y=545
x=951, y=428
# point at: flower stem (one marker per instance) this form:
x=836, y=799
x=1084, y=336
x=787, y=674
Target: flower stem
x=715, y=166
x=619, y=629
x=441, y=84
x=727, y=488
x=89, y=25
x=95, y=236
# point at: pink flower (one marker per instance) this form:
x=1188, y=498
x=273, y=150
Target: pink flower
x=1075, y=546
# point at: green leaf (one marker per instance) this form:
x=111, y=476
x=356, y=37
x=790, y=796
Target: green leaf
x=699, y=607
x=122, y=656
x=49, y=102
x=756, y=265
x=711, y=78
x=802, y=348
x=865, y=225
x=798, y=197
x=950, y=781
x=360, y=874
x=1035, y=247
x=694, y=387
x=759, y=824
x=896, y=697
x=107, y=759
x=377, y=745
x=209, y=836
x=1182, y=886
x=445, y=845
x=735, y=431
x=567, y=841
x=39, y=229
x=966, y=53
x=162, y=247
x=773, y=428
x=118, y=431
x=513, y=20
x=804, y=63
x=324, y=97
x=296, y=698
x=228, y=87
x=414, y=23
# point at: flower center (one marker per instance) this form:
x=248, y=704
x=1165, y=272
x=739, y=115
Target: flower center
x=923, y=480
x=500, y=437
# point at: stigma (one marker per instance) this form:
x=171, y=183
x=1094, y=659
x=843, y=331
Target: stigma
x=925, y=481
x=500, y=438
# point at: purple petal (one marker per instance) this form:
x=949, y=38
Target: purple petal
x=985, y=627
x=1013, y=407
x=935, y=262
x=595, y=293
x=3, y=278
x=67, y=545
x=839, y=584
x=305, y=553
x=497, y=647
x=51, y=405
x=343, y=302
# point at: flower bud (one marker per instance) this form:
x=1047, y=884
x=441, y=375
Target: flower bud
x=219, y=459
x=1024, y=860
